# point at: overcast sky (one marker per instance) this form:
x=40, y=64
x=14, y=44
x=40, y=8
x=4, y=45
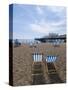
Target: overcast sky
x=33, y=21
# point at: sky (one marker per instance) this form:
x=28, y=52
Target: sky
x=34, y=21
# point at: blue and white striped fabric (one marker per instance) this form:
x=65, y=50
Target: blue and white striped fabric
x=51, y=58
x=37, y=57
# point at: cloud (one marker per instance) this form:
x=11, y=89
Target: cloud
x=59, y=11
x=39, y=10
x=31, y=21
x=46, y=27
x=56, y=9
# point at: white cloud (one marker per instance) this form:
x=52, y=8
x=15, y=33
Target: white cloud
x=56, y=9
x=39, y=10
x=46, y=27
x=59, y=11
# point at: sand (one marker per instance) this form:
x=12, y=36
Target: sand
x=23, y=61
